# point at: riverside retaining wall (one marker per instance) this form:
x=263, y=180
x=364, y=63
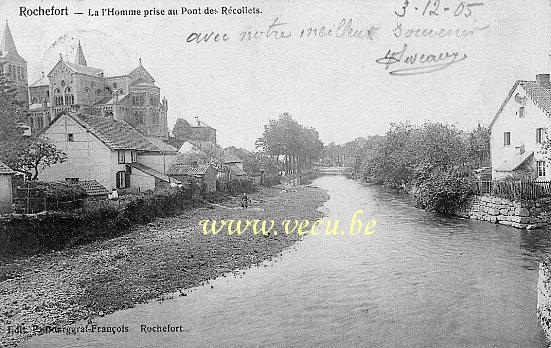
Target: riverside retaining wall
x=544, y=298
x=528, y=214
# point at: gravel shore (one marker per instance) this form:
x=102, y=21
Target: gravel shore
x=167, y=255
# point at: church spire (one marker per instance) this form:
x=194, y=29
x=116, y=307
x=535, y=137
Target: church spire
x=7, y=47
x=80, y=59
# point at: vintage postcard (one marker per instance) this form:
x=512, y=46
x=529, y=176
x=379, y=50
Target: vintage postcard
x=336, y=173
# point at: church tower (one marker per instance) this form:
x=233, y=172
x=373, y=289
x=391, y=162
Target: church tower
x=13, y=66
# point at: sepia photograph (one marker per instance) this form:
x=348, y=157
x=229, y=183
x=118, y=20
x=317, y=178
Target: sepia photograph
x=223, y=173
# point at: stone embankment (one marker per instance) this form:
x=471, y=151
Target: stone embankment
x=527, y=214
x=544, y=298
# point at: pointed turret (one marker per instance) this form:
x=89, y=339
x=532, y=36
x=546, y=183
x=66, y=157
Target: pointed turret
x=80, y=59
x=7, y=47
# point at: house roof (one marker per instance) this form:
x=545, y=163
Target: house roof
x=187, y=169
x=237, y=170
x=43, y=81
x=117, y=135
x=514, y=162
x=153, y=173
x=159, y=143
x=5, y=170
x=93, y=188
x=231, y=158
x=539, y=95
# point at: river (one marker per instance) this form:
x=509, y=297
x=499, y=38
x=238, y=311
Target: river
x=421, y=280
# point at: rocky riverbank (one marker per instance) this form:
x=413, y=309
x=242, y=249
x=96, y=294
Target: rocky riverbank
x=169, y=254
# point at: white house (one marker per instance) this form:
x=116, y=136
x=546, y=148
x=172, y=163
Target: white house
x=6, y=195
x=518, y=130
x=108, y=151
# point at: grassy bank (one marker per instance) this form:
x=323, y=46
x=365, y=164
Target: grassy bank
x=163, y=256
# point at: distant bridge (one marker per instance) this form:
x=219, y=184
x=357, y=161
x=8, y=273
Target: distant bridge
x=334, y=170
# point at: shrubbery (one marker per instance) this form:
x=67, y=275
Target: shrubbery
x=444, y=191
x=55, y=230
x=236, y=187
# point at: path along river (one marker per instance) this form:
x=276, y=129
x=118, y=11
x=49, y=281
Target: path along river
x=421, y=280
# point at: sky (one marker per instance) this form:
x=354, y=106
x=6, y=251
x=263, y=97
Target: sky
x=331, y=83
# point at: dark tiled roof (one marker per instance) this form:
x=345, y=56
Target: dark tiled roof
x=5, y=170
x=118, y=135
x=93, y=188
x=540, y=95
x=153, y=172
x=187, y=169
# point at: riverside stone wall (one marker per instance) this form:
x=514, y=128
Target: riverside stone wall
x=528, y=214
x=544, y=298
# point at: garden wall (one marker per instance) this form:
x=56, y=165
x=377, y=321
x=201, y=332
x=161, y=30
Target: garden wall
x=526, y=214
x=544, y=298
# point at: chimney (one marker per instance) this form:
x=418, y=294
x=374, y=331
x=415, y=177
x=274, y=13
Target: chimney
x=543, y=80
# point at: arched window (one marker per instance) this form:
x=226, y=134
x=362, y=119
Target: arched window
x=31, y=121
x=40, y=122
x=69, y=97
x=155, y=117
x=57, y=91
x=114, y=86
x=142, y=100
x=62, y=83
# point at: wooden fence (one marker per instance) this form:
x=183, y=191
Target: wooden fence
x=514, y=189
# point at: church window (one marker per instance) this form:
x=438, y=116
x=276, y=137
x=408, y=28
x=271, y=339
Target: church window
x=142, y=100
x=40, y=123
x=32, y=123
x=156, y=118
x=57, y=91
x=47, y=94
x=62, y=83
x=58, y=100
x=114, y=86
x=69, y=99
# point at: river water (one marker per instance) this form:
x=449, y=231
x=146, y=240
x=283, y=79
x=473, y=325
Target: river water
x=421, y=280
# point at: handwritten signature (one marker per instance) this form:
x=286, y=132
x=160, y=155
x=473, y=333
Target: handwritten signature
x=419, y=63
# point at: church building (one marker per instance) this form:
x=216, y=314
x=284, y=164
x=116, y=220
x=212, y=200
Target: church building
x=132, y=97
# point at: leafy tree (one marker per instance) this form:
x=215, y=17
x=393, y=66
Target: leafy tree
x=34, y=155
x=285, y=136
x=181, y=130
x=478, y=147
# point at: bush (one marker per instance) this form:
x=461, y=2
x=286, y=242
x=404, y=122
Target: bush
x=55, y=230
x=444, y=191
x=236, y=187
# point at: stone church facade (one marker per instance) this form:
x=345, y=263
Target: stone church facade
x=132, y=97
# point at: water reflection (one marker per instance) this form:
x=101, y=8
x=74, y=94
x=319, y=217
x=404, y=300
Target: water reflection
x=422, y=280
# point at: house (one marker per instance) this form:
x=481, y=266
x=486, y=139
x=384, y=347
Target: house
x=518, y=130
x=204, y=175
x=109, y=151
x=6, y=193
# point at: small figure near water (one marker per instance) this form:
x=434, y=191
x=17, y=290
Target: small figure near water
x=245, y=201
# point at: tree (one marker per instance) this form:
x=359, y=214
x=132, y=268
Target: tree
x=285, y=136
x=34, y=155
x=181, y=130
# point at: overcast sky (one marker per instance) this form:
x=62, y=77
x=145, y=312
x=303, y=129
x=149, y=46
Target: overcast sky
x=330, y=83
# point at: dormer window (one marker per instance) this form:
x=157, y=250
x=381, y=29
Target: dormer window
x=521, y=111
